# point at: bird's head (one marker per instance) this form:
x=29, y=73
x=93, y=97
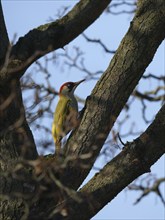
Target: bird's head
x=68, y=88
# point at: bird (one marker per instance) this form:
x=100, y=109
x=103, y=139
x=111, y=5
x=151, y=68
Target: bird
x=66, y=113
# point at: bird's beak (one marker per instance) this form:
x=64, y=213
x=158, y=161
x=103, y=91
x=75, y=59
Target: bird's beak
x=78, y=83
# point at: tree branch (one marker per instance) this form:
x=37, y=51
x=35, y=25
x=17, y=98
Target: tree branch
x=52, y=36
x=98, y=41
x=4, y=40
x=135, y=159
x=145, y=96
x=115, y=86
x=148, y=189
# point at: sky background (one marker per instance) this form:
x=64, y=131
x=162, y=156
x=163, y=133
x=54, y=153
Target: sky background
x=22, y=16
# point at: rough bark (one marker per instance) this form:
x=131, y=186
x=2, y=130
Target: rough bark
x=16, y=142
x=115, y=86
x=135, y=159
x=4, y=40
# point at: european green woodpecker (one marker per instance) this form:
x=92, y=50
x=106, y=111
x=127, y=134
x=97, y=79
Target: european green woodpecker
x=66, y=113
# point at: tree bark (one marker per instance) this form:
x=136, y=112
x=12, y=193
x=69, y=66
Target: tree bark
x=115, y=86
x=135, y=159
x=16, y=143
x=4, y=40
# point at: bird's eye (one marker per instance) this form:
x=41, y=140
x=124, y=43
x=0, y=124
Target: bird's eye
x=70, y=86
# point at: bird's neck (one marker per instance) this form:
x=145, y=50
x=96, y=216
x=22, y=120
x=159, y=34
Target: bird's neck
x=70, y=97
x=67, y=96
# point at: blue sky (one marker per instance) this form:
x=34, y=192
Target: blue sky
x=22, y=16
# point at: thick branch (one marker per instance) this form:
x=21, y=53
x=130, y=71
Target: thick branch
x=54, y=35
x=135, y=160
x=14, y=131
x=115, y=86
x=4, y=40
